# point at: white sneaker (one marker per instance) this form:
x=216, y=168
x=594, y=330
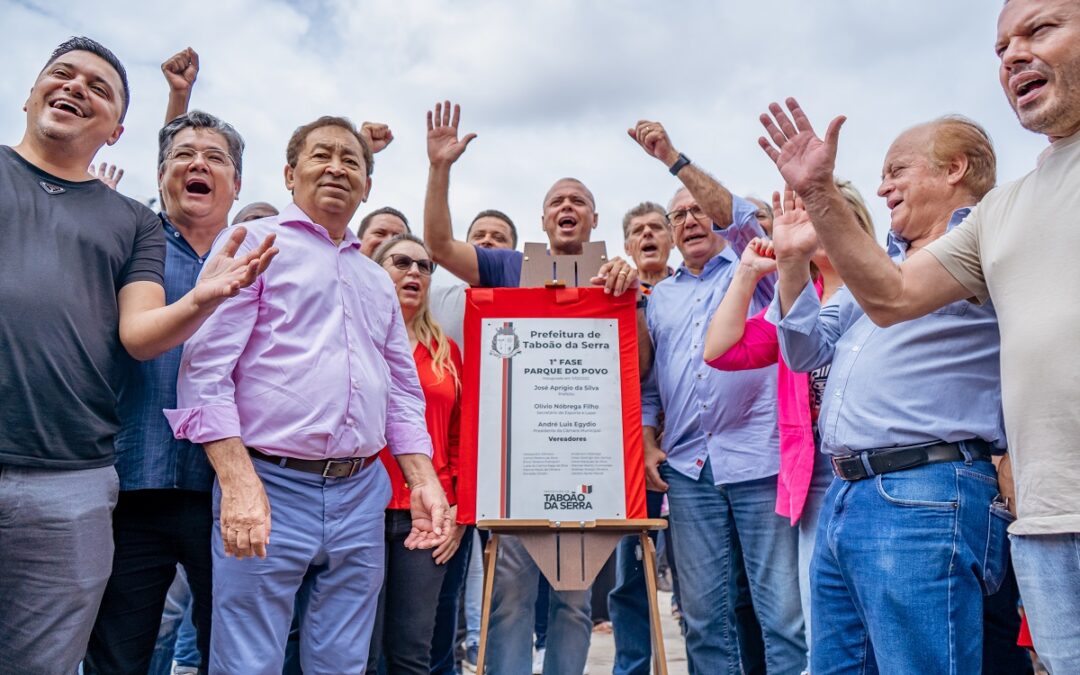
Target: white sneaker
x=538, y=661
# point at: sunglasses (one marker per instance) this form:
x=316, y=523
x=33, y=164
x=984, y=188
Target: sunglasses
x=405, y=263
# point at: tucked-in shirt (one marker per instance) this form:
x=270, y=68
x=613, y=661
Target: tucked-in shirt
x=929, y=380
x=66, y=250
x=727, y=418
x=148, y=456
x=1019, y=247
x=442, y=395
x=311, y=361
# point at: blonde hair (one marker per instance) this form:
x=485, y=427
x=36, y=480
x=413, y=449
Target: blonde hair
x=858, y=206
x=428, y=331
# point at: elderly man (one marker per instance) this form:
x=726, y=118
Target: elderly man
x=81, y=281
x=720, y=450
x=569, y=216
x=162, y=516
x=293, y=390
x=998, y=253
x=911, y=416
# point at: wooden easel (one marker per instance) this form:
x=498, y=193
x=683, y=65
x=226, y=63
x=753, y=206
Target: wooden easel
x=570, y=554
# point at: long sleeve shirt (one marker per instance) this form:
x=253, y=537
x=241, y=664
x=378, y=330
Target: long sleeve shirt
x=311, y=361
x=931, y=379
x=727, y=418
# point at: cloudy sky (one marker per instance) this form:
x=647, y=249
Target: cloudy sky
x=550, y=87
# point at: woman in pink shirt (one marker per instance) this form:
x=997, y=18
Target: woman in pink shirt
x=734, y=342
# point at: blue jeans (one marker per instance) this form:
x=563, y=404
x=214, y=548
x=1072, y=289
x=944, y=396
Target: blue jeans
x=1048, y=572
x=706, y=519
x=474, y=591
x=808, y=527
x=900, y=568
x=511, y=630
x=628, y=602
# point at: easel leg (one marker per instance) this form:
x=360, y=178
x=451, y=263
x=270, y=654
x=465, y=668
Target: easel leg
x=485, y=605
x=648, y=557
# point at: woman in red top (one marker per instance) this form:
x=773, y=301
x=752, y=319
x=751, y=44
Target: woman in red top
x=410, y=592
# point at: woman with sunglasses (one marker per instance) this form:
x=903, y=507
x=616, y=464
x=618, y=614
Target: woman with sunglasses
x=410, y=592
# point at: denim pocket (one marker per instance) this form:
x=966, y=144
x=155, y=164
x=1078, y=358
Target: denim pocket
x=996, y=558
x=932, y=486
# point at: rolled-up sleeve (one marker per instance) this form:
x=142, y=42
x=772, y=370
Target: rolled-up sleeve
x=205, y=391
x=406, y=426
x=808, y=334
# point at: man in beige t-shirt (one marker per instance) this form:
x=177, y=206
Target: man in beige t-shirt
x=1017, y=247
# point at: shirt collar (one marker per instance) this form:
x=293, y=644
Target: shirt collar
x=294, y=216
x=725, y=256
x=898, y=246
x=176, y=238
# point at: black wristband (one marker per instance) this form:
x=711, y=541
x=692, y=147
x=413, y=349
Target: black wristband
x=682, y=161
x=642, y=301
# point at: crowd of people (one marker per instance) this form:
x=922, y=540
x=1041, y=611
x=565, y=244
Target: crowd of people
x=246, y=433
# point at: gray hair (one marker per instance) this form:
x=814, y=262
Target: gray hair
x=197, y=119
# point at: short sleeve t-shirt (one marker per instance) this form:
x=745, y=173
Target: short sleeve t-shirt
x=447, y=305
x=499, y=267
x=66, y=250
x=1018, y=246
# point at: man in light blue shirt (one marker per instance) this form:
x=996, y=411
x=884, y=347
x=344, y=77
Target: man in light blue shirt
x=719, y=455
x=909, y=538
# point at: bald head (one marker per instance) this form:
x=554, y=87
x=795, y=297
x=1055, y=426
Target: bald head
x=569, y=216
x=254, y=211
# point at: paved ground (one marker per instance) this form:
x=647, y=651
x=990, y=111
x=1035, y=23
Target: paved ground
x=602, y=653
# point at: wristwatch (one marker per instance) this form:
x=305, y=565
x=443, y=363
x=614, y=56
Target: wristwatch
x=682, y=161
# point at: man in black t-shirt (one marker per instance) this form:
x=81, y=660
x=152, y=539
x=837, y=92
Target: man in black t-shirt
x=80, y=282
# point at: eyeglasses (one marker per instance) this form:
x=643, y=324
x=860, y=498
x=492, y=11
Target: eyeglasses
x=405, y=263
x=212, y=157
x=678, y=216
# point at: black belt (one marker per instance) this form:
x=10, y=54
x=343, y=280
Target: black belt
x=869, y=463
x=327, y=468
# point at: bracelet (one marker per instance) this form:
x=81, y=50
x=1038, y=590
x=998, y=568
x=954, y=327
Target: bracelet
x=681, y=162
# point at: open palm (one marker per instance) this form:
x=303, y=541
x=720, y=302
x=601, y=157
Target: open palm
x=225, y=274
x=805, y=161
x=443, y=145
x=794, y=237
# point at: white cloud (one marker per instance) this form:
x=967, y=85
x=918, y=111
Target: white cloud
x=550, y=87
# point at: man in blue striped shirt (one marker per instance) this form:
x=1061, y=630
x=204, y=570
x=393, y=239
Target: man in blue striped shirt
x=163, y=513
x=909, y=538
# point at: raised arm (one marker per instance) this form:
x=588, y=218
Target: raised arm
x=888, y=293
x=710, y=195
x=149, y=327
x=110, y=174
x=444, y=148
x=727, y=328
x=180, y=72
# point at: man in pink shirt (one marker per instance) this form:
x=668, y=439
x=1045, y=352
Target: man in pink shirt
x=293, y=388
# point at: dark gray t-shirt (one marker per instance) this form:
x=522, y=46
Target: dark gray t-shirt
x=66, y=250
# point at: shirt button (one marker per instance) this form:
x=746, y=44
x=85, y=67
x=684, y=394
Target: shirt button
x=346, y=282
x=855, y=348
x=351, y=422
x=837, y=394
x=176, y=234
x=348, y=314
